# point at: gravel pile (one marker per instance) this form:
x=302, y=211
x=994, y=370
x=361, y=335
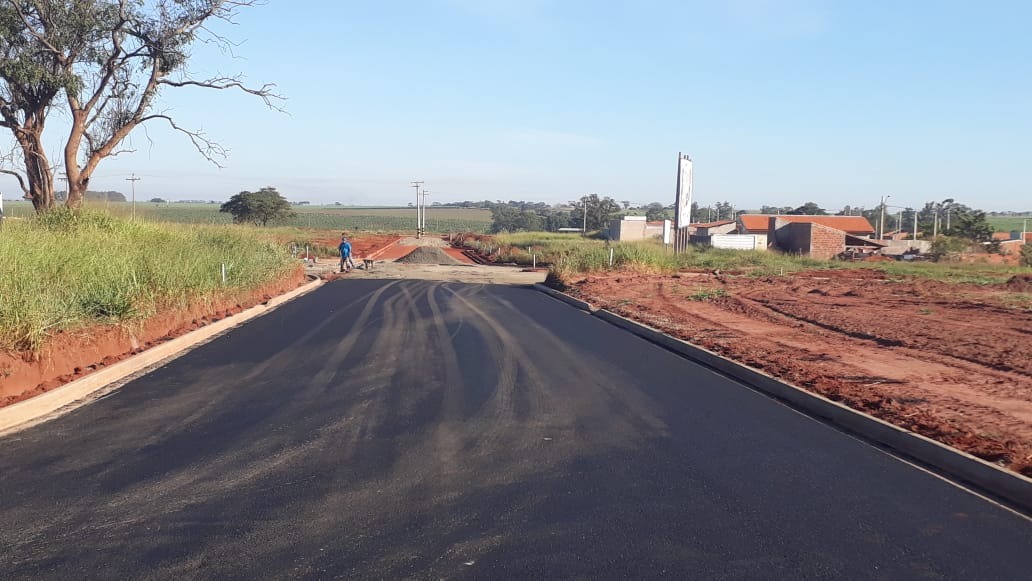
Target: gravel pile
x=427, y=255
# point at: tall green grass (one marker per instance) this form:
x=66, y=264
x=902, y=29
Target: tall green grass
x=68, y=270
x=571, y=254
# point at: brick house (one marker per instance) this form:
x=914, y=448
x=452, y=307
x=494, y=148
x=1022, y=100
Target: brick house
x=814, y=237
x=760, y=223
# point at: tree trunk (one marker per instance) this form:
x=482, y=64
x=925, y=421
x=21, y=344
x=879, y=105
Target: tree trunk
x=37, y=170
x=78, y=180
x=76, y=193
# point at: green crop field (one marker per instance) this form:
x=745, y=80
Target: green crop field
x=373, y=219
x=1009, y=223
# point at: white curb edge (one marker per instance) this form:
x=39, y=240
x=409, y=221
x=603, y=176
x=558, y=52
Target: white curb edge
x=582, y=305
x=1011, y=487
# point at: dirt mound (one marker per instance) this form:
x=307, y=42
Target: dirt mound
x=427, y=255
x=1021, y=283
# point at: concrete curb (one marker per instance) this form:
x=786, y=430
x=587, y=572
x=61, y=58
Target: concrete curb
x=1010, y=487
x=582, y=305
x=71, y=395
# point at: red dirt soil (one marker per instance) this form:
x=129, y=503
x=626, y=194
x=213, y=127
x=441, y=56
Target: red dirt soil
x=952, y=362
x=71, y=355
x=362, y=246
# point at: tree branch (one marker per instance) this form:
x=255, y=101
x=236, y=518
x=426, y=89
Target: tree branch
x=206, y=147
x=265, y=92
x=21, y=180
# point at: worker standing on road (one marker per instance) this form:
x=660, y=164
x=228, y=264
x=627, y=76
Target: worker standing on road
x=346, y=262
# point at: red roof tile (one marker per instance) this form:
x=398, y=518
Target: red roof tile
x=851, y=224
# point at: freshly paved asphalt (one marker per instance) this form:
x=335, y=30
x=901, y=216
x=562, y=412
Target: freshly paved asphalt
x=431, y=430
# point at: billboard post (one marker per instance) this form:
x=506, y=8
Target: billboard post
x=683, y=203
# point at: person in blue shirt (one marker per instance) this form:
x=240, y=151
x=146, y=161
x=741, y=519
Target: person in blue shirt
x=346, y=262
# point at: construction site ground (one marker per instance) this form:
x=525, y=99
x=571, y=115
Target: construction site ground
x=459, y=267
x=952, y=362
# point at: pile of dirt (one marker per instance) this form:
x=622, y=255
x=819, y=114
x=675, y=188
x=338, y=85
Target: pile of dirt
x=1021, y=283
x=427, y=255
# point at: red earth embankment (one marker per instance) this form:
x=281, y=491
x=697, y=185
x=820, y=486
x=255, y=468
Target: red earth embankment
x=72, y=354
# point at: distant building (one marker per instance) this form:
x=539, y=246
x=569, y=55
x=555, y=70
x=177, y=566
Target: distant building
x=816, y=236
x=630, y=228
x=703, y=233
x=711, y=228
x=761, y=223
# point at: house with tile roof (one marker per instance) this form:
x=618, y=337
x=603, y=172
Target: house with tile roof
x=760, y=223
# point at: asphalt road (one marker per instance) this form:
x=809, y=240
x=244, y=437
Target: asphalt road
x=378, y=429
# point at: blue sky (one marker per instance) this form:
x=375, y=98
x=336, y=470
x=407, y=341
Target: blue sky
x=778, y=101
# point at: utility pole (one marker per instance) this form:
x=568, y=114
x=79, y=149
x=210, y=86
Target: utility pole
x=881, y=224
x=584, y=224
x=417, y=185
x=935, y=220
x=133, y=179
x=426, y=193
x=915, y=224
x=949, y=210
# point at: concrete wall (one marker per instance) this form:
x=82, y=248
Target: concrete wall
x=627, y=230
x=791, y=237
x=894, y=247
x=810, y=239
x=739, y=241
x=653, y=231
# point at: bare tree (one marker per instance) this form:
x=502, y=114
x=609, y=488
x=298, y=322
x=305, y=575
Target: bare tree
x=109, y=59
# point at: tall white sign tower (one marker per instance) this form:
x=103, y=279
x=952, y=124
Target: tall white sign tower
x=683, y=203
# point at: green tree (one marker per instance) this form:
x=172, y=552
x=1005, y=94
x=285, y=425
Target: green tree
x=1026, y=255
x=808, y=209
x=600, y=211
x=258, y=208
x=554, y=220
x=973, y=226
x=510, y=218
x=107, y=61
x=655, y=212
